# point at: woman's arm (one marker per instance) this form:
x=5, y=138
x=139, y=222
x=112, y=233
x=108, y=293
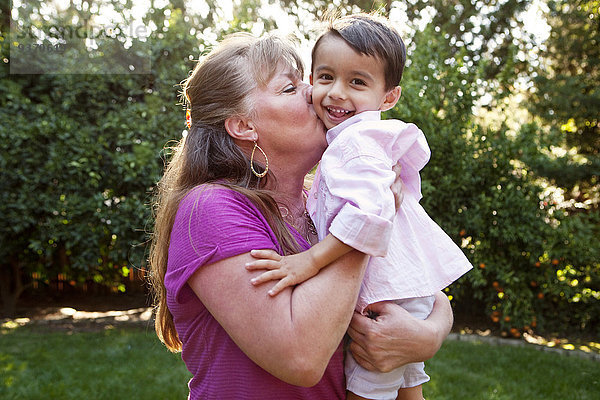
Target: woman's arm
x=294, y=334
x=396, y=338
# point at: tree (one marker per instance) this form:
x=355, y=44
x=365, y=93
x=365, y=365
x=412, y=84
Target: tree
x=478, y=185
x=470, y=186
x=80, y=153
x=566, y=100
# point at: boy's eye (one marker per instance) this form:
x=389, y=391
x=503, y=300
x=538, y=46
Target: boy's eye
x=358, y=82
x=325, y=77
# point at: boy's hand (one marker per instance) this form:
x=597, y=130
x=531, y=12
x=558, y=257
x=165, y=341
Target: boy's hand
x=290, y=270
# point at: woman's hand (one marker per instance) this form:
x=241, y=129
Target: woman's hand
x=396, y=338
x=397, y=186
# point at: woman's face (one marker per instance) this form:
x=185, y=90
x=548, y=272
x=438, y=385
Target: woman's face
x=287, y=125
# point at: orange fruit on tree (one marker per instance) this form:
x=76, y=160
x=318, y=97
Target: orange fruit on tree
x=495, y=316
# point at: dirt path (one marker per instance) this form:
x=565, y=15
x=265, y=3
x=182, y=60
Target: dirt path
x=82, y=313
x=98, y=313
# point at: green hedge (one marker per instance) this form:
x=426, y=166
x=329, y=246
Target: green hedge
x=79, y=155
x=535, y=264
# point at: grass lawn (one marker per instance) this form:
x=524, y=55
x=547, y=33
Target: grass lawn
x=113, y=364
x=477, y=371
x=130, y=363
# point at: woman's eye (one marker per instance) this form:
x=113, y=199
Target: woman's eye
x=289, y=89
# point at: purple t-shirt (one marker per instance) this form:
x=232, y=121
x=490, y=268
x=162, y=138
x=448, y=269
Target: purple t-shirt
x=214, y=223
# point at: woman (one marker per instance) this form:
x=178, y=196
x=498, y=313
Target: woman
x=216, y=204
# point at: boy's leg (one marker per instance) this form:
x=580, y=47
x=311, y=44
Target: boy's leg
x=414, y=374
x=364, y=384
x=412, y=393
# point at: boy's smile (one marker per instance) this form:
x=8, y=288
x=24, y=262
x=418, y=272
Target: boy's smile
x=336, y=112
x=346, y=82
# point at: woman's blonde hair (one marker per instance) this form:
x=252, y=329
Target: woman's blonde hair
x=219, y=87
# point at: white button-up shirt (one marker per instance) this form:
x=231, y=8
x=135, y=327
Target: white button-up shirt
x=351, y=199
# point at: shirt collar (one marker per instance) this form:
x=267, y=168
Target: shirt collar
x=363, y=116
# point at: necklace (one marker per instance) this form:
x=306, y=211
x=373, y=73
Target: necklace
x=303, y=224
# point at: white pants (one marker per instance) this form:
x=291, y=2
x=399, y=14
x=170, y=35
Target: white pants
x=384, y=386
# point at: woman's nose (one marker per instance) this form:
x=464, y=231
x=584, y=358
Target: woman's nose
x=308, y=93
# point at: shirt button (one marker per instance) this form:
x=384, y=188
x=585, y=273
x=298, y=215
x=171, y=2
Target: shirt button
x=315, y=195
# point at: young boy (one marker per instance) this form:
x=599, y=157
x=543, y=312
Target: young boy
x=357, y=65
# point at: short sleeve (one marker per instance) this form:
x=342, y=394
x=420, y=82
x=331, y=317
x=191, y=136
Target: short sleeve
x=413, y=153
x=213, y=223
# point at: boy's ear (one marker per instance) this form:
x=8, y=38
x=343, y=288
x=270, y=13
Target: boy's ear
x=241, y=128
x=310, y=79
x=391, y=98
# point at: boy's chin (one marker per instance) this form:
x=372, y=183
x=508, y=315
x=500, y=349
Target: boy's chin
x=328, y=124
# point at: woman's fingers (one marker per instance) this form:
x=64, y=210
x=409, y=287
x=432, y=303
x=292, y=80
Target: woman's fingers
x=361, y=356
x=397, y=169
x=397, y=186
x=384, y=343
x=357, y=327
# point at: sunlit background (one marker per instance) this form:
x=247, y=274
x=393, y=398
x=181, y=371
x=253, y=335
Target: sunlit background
x=505, y=90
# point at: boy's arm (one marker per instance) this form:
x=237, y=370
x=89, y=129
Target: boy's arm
x=296, y=268
x=328, y=250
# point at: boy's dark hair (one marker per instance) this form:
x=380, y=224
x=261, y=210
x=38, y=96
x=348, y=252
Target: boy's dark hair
x=373, y=36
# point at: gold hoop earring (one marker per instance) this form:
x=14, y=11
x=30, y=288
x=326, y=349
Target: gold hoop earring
x=252, y=161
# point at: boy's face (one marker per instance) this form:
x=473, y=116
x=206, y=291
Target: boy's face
x=346, y=82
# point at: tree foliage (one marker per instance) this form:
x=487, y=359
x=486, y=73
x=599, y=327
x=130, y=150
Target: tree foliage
x=530, y=270
x=566, y=99
x=80, y=153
